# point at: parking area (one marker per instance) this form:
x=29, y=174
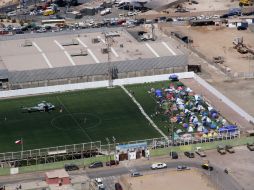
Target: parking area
x=66, y=50
x=240, y=164
x=172, y=179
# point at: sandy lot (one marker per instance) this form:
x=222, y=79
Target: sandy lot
x=241, y=92
x=218, y=41
x=242, y=171
x=6, y=2
x=211, y=5
x=193, y=180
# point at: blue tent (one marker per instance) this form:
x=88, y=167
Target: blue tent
x=173, y=77
x=205, y=131
x=158, y=93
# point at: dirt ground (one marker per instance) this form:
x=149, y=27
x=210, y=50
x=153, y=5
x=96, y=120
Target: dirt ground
x=172, y=180
x=240, y=165
x=241, y=92
x=211, y=5
x=217, y=41
x=6, y=2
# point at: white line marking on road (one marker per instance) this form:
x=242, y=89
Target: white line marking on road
x=114, y=52
x=152, y=50
x=69, y=57
x=89, y=51
x=143, y=112
x=43, y=54
x=82, y=43
x=112, y=49
x=101, y=39
x=37, y=47
x=93, y=56
x=46, y=59
x=59, y=45
x=169, y=49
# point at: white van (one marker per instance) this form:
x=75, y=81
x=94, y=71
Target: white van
x=13, y=13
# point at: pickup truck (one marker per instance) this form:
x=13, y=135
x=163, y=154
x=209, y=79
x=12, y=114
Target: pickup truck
x=250, y=146
x=199, y=151
x=221, y=149
x=230, y=149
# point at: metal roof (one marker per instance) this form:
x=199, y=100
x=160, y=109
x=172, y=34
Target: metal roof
x=95, y=69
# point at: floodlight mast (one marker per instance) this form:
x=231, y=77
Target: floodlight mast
x=109, y=41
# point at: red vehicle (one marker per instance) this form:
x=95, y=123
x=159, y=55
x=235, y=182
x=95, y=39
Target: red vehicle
x=120, y=22
x=3, y=32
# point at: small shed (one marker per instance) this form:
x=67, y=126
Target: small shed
x=131, y=151
x=60, y=177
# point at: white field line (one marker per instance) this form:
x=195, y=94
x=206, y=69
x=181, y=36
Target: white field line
x=43, y=54
x=169, y=49
x=143, y=112
x=152, y=50
x=69, y=57
x=59, y=45
x=93, y=56
x=82, y=43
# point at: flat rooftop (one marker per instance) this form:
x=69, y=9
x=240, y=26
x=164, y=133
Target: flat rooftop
x=47, y=52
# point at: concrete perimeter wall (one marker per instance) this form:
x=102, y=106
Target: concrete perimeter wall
x=125, y=81
x=87, y=85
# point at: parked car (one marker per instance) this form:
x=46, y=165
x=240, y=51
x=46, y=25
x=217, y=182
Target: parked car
x=112, y=162
x=241, y=28
x=250, y=146
x=230, y=149
x=41, y=30
x=158, y=166
x=173, y=155
x=189, y=154
x=207, y=167
x=136, y=174
x=182, y=167
x=99, y=184
x=118, y=186
x=194, y=2
x=71, y=167
x=199, y=151
x=19, y=31
x=221, y=149
x=96, y=165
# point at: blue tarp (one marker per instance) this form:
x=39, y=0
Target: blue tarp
x=229, y=128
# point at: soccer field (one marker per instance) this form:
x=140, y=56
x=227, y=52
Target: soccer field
x=87, y=115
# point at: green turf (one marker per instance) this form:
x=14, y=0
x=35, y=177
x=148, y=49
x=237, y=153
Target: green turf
x=148, y=102
x=88, y=115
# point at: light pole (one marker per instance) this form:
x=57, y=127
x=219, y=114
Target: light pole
x=107, y=139
x=114, y=141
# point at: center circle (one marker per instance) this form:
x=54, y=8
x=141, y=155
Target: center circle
x=75, y=121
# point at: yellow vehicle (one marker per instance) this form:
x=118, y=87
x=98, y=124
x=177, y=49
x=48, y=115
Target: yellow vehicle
x=245, y=3
x=48, y=12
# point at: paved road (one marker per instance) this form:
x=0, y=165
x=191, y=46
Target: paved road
x=218, y=177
